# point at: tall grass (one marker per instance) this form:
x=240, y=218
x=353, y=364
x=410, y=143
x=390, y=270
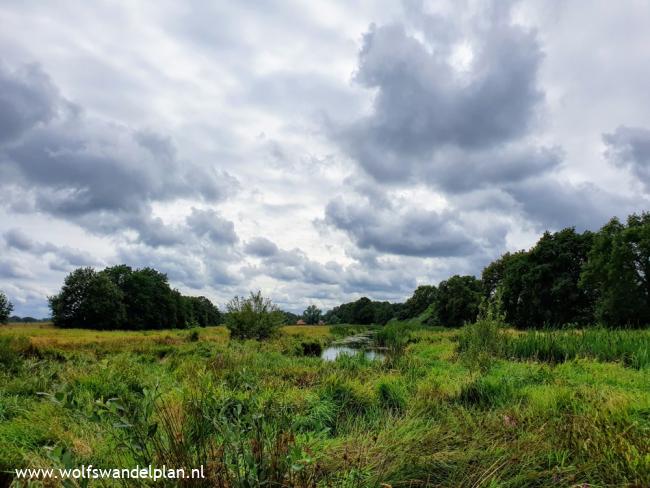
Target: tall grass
x=486, y=339
x=273, y=415
x=632, y=348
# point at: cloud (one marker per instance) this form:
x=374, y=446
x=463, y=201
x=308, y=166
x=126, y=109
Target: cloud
x=261, y=247
x=427, y=108
x=407, y=231
x=103, y=175
x=629, y=148
x=64, y=258
x=208, y=223
x=27, y=98
x=549, y=203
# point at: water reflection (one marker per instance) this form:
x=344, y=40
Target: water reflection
x=353, y=345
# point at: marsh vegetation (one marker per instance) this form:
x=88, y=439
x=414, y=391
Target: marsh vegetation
x=477, y=406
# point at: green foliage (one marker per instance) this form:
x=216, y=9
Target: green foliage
x=556, y=346
x=396, y=335
x=122, y=298
x=312, y=315
x=617, y=273
x=480, y=343
x=422, y=298
x=289, y=318
x=362, y=311
x=5, y=308
x=540, y=287
x=254, y=317
x=12, y=353
x=457, y=301
x=88, y=299
x=391, y=395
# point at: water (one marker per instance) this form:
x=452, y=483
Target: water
x=353, y=345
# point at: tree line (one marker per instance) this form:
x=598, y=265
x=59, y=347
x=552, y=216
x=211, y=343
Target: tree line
x=567, y=278
x=120, y=297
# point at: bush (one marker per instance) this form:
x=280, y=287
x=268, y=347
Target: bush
x=254, y=317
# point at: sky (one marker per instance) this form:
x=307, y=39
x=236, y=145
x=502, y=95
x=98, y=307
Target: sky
x=318, y=151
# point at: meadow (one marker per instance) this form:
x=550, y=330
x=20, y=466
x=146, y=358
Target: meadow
x=480, y=406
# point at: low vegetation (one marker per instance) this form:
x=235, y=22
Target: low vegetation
x=479, y=406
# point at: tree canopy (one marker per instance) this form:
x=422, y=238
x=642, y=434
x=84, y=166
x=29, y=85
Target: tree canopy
x=312, y=315
x=122, y=298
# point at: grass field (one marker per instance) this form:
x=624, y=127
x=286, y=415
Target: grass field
x=476, y=407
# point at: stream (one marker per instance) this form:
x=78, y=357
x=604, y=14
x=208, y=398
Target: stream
x=351, y=345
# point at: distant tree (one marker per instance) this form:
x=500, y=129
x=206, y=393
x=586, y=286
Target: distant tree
x=88, y=299
x=254, y=317
x=617, y=272
x=199, y=311
x=383, y=312
x=457, y=301
x=6, y=308
x=363, y=311
x=289, y=318
x=423, y=296
x=312, y=315
x=332, y=319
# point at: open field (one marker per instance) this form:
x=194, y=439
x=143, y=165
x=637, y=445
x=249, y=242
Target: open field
x=265, y=414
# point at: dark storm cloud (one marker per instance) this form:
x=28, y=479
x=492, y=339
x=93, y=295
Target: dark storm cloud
x=27, y=98
x=629, y=148
x=425, y=104
x=411, y=232
x=102, y=175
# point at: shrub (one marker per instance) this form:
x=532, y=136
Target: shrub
x=254, y=317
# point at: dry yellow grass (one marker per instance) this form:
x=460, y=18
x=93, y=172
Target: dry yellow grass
x=45, y=334
x=315, y=331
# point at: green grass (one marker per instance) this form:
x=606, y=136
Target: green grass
x=478, y=407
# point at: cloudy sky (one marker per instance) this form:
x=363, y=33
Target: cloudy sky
x=319, y=151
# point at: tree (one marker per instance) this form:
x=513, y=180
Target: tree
x=6, y=308
x=617, y=272
x=457, y=301
x=122, y=298
x=254, y=317
x=88, y=299
x=363, y=311
x=289, y=318
x=423, y=296
x=149, y=300
x=312, y=315
x=541, y=287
